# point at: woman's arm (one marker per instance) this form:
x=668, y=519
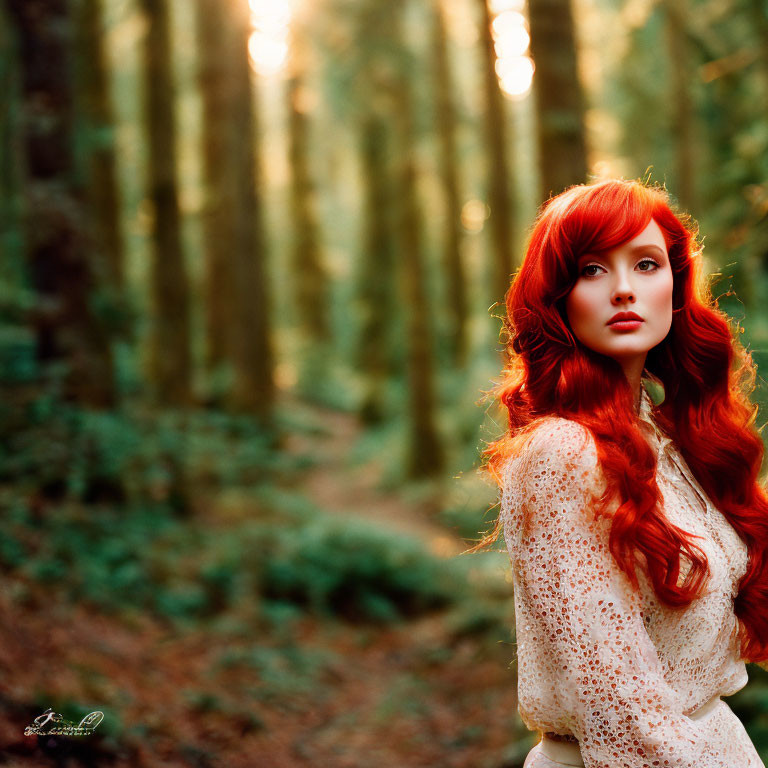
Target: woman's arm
x=585, y=618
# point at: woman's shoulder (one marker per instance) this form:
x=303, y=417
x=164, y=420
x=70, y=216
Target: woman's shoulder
x=557, y=466
x=555, y=443
x=556, y=437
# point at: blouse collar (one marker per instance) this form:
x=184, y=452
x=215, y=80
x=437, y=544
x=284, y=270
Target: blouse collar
x=661, y=441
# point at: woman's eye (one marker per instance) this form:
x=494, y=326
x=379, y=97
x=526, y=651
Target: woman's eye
x=597, y=266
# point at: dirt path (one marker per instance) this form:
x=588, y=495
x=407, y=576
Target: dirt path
x=435, y=691
x=343, y=488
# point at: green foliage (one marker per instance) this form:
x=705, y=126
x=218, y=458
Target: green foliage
x=357, y=571
x=482, y=617
x=282, y=670
x=66, y=452
x=94, y=554
x=751, y=707
x=292, y=559
x=124, y=558
x=469, y=520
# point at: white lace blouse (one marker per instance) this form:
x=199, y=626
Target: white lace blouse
x=615, y=668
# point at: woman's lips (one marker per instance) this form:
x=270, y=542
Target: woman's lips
x=625, y=325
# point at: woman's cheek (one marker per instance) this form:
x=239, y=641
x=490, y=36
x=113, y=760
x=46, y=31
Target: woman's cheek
x=582, y=312
x=587, y=304
x=663, y=302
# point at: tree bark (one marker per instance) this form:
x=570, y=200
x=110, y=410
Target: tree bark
x=760, y=20
x=214, y=44
x=103, y=190
x=58, y=255
x=11, y=227
x=425, y=452
x=500, y=174
x=558, y=94
x=311, y=284
x=309, y=275
x=376, y=287
x=250, y=341
x=445, y=123
x=681, y=106
x=170, y=363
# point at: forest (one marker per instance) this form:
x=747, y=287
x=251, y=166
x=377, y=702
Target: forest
x=253, y=260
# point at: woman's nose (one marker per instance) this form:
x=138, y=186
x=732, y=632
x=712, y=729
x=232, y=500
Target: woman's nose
x=622, y=289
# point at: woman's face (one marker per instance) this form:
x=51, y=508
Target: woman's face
x=634, y=277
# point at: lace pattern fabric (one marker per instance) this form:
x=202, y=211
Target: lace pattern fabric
x=598, y=660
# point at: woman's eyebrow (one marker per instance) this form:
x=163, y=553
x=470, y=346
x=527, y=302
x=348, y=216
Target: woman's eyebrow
x=634, y=250
x=638, y=248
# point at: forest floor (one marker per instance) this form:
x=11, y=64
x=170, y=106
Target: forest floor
x=315, y=692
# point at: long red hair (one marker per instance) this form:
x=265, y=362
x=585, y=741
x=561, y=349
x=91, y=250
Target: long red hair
x=707, y=377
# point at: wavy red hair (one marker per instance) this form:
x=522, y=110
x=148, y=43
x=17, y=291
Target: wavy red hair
x=706, y=374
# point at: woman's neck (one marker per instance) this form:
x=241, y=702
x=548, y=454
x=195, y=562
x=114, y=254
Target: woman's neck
x=633, y=370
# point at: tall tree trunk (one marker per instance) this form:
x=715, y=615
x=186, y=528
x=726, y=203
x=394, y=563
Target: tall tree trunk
x=376, y=289
x=103, y=191
x=250, y=340
x=759, y=17
x=558, y=93
x=425, y=452
x=760, y=230
x=215, y=38
x=11, y=247
x=170, y=363
x=311, y=280
x=497, y=140
x=445, y=114
x=58, y=255
x=681, y=107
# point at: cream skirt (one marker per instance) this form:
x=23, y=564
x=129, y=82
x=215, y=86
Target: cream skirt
x=553, y=754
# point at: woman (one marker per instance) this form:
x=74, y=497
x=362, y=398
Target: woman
x=637, y=531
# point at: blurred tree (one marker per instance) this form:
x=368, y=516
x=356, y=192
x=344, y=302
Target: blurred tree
x=734, y=166
x=371, y=86
x=759, y=190
x=236, y=297
x=425, y=454
x=169, y=354
x=725, y=101
x=500, y=170
x=214, y=44
x=311, y=290
x=758, y=11
x=58, y=248
x=558, y=96
x=11, y=255
x=445, y=127
x=357, y=89
x=376, y=285
x=17, y=338
x=250, y=341
x=636, y=85
x=99, y=139
x=681, y=102
x=376, y=279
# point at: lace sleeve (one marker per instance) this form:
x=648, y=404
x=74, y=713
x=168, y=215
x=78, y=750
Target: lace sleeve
x=584, y=618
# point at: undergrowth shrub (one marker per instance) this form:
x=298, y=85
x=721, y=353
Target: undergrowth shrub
x=64, y=452
x=357, y=571
x=145, y=558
